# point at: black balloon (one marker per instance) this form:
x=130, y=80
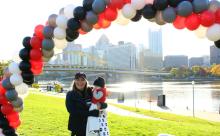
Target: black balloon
x=160, y=4
x=149, y=11
x=73, y=24
x=138, y=16
x=7, y=84
x=217, y=44
x=27, y=76
x=79, y=13
x=87, y=4
x=25, y=66
x=26, y=42
x=71, y=35
x=24, y=54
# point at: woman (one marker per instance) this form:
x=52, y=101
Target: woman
x=78, y=102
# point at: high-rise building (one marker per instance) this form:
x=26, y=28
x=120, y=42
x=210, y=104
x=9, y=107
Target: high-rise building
x=176, y=61
x=196, y=61
x=121, y=56
x=206, y=61
x=214, y=55
x=155, y=42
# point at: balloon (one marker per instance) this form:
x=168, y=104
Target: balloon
x=17, y=103
x=118, y=4
x=91, y=18
x=110, y=14
x=87, y=4
x=38, y=31
x=128, y=11
x=207, y=18
x=14, y=68
x=35, y=54
x=213, y=32
x=97, y=26
x=201, y=32
x=11, y=95
x=138, y=4
x=149, y=1
x=179, y=22
x=107, y=2
x=121, y=20
x=169, y=15
x=174, y=3
x=16, y=79
x=104, y=23
x=81, y=31
x=214, y=5
x=24, y=54
x=217, y=43
x=61, y=21
x=26, y=42
x=7, y=84
x=36, y=67
x=149, y=11
x=85, y=27
x=6, y=109
x=24, y=65
x=60, y=44
x=48, y=44
x=28, y=77
x=52, y=20
x=138, y=16
x=160, y=4
x=79, y=13
x=48, y=32
x=159, y=19
x=36, y=42
x=200, y=5
x=59, y=33
x=19, y=109
x=71, y=35
x=68, y=11
x=2, y=89
x=15, y=124
x=13, y=117
x=217, y=16
x=48, y=54
x=3, y=99
x=73, y=24
x=21, y=89
x=192, y=22
x=185, y=8
x=98, y=6
x=6, y=73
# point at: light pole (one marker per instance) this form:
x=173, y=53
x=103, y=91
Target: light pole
x=193, y=83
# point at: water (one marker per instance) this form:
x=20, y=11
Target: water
x=179, y=95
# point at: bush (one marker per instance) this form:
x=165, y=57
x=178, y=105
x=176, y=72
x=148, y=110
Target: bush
x=35, y=85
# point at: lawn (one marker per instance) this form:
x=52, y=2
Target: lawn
x=47, y=116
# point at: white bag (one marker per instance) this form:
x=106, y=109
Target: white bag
x=104, y=131
x=92, y=127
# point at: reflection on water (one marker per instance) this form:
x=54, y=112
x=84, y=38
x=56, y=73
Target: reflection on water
x=178, y=94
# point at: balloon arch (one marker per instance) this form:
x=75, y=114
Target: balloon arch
x=203, y=16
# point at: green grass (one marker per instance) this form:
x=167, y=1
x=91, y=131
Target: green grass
x=47, y=116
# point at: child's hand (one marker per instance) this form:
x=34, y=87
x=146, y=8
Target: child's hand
x=98, y=106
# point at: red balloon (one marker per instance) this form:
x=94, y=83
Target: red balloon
x=117, y=4
x=127, y=1
x=12, y=117
x=192, y=22
x=7, y=108
x=207, y=18
x=179, y=22
x=36, y=42
x=97, y=26
x=217, y=16
x=36, y=54
x=110, y=14
x=36, y=67
x=2, y=89
x=38, y=31
x=82, y=32
x=3, y=99
x=15, y=124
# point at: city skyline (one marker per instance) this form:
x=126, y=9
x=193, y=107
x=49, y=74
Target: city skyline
x=28, y=15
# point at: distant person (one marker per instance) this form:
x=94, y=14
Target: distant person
x=78, y=101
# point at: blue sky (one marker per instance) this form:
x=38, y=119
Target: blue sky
x=18, y=19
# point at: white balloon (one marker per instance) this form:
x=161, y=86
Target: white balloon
x=68, y=10
x=201, y=32
x=61, y=21
x=137, y=4
x=213, y=32
x=14, y=68
x=16, y=79
x=59, y=33
x=149, y=1
x=21, y=89
x=60, y=44
x=128, y=11
x=121, y=20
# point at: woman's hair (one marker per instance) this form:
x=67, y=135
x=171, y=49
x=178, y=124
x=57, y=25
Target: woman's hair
x=85, y=90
